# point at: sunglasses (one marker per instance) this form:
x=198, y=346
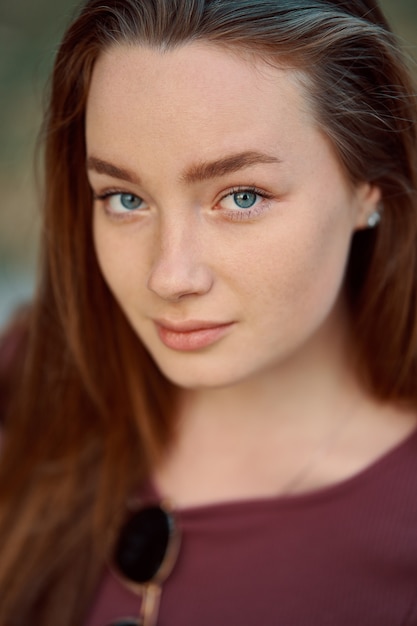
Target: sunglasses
x=144, y=556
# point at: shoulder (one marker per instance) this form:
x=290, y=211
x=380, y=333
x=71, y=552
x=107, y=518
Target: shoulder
x=13, y=347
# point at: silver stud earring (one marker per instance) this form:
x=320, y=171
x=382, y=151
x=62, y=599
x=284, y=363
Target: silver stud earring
x=374, y=219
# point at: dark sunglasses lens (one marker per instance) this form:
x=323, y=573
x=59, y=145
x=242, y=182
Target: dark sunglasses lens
x=142, y=545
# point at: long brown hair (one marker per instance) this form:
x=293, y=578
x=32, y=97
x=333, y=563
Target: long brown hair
x=91, y=414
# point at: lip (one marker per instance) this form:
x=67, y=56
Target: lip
x=192, y=334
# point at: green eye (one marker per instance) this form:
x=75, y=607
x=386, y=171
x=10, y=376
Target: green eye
x=245, y=199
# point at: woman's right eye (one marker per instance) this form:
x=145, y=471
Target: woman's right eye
x=118, y=203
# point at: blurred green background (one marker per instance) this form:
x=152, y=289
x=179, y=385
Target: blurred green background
x=29, y=34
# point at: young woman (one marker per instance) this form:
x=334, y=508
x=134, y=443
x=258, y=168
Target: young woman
x=225, y=322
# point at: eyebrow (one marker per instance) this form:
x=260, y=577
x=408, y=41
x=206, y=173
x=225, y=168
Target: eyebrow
x=195, y=173
x=104, y=167
x=226, y=165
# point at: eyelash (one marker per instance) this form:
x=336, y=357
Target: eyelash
x=238, y=214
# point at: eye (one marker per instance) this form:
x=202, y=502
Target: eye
x=121, y=202
x=244, y=199
x=244, y=203
x=129, y=201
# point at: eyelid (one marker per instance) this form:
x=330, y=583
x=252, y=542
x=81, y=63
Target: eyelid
x=112, y=191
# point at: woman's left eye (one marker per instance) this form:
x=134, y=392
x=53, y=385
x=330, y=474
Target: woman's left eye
x=243, y=201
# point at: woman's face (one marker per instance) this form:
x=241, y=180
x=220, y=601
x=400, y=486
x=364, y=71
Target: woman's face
x=222, y=219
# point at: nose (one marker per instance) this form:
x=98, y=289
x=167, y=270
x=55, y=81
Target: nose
x=177, y=268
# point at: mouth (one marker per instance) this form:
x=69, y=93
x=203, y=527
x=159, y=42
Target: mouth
x=191, y=335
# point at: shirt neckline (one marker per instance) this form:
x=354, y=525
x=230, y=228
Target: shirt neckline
x=382, y=463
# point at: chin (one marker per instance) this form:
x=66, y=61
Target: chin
x=196, y=379
x=204, y=375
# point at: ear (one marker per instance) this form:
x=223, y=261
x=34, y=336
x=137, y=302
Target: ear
x=368, y=201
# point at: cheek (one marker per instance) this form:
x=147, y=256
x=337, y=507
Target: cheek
x=297, y=274
x=115, y=261
x=103, y=246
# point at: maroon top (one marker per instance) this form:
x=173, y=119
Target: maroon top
x=345, y=555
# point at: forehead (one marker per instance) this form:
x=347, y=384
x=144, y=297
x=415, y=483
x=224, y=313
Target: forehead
x=195, y=102
x=195, y=66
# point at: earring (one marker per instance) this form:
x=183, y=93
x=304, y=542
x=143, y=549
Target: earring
x=374, y=219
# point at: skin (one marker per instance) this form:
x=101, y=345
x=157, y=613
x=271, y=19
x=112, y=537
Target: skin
x=272, y=272
x=275, y=270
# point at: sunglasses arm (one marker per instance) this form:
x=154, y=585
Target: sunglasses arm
x=150, y=604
